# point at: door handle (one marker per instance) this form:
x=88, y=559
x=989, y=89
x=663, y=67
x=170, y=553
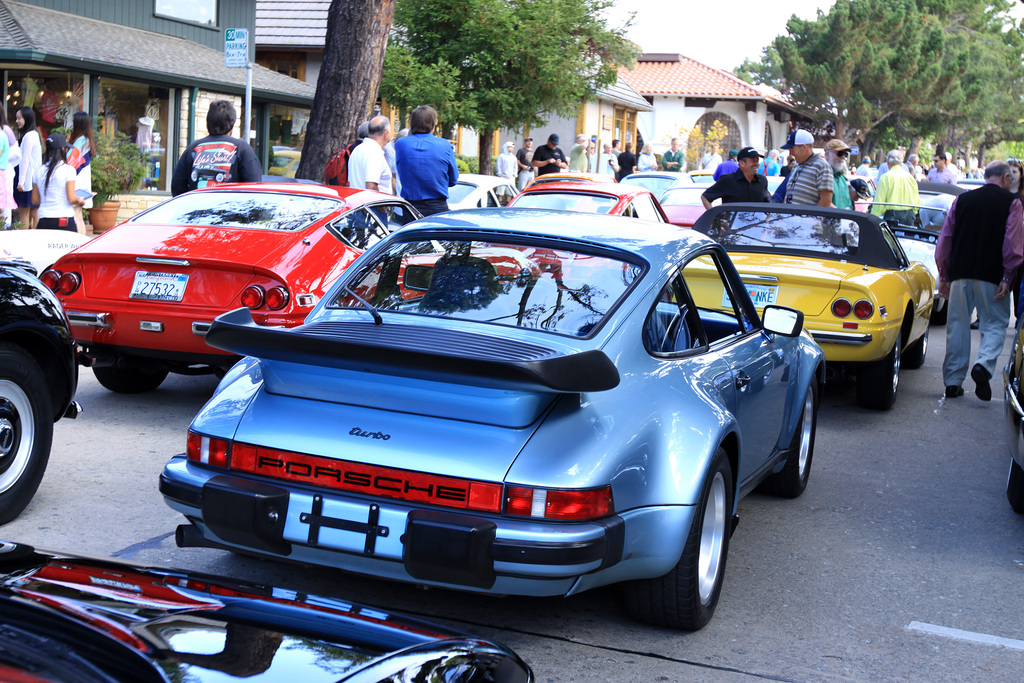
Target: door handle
x=742, y=380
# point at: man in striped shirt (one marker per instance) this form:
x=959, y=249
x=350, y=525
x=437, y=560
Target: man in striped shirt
x=811, y=181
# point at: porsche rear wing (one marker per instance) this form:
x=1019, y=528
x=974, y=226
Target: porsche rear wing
x=417, y=351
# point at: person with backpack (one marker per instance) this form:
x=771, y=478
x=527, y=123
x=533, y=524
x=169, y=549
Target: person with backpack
x=336, y=172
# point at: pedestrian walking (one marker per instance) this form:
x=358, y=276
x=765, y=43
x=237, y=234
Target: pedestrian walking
x=524, y=159
x=80, y=159
x=426, y=163
x=979, y=250
x=53, y=188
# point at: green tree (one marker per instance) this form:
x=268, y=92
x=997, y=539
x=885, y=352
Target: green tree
x=517, y=60
x=357, y=35
x=866, y=62
x=765, y=71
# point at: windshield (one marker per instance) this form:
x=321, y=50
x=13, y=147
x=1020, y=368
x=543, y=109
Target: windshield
x=459, y=192
x=258, y=210
x=683, y=196
x=763, y=231
x=566, y=201
x=655, y=184
x=548, y=288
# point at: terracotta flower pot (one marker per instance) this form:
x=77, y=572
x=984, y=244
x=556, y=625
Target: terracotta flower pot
x=103, y=216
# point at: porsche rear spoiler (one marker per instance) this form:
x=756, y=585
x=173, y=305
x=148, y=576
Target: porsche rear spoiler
x=419, y=352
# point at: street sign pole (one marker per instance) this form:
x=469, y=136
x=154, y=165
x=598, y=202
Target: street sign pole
x=236, y=56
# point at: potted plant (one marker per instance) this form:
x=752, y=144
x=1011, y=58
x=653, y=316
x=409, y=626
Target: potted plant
x=117, y=167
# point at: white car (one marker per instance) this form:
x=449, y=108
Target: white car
x=41, y=248
x=475, y=191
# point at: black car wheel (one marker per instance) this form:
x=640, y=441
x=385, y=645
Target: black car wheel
x=1015, y=487
x=914, y=356
x=686, y=597
x=877, y=382
x=26, y=429
x=129, y=380
x=791, y=481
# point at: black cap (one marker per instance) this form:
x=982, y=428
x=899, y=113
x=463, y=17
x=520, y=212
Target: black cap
x=56, y=140
x=553, y=138
x=748, y=153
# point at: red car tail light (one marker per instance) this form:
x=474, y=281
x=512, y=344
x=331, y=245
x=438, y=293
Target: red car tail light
x=863, y=309
x=252, y=296
x=50, y=278
x=559, y=505
x=69, y=282
x=207, y=450
x=841, y=308
x=277, y=298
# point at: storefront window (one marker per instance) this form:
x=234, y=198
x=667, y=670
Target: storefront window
x=142, y=112
x=287, y=135
x=198, y=11
x=54, y=96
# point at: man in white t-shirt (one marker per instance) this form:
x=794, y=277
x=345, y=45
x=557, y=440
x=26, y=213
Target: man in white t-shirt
x=367, y=166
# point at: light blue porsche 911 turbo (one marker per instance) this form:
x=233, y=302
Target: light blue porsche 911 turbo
x=520, y=402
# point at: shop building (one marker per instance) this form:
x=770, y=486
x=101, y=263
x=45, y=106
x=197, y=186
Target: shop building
x=146, y=68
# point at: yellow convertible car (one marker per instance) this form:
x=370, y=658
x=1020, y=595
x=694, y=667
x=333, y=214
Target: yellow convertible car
x=864, y=302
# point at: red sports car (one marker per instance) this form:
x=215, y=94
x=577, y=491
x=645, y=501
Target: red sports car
x=141, y=297
x=682, y=205
x=612, y=198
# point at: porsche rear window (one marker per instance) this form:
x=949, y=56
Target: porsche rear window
x=541, y=287
x=568, y=201
x=255, y=210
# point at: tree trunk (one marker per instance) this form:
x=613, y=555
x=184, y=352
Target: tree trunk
x=486, y=145
x=981, y=154
x=357, y=33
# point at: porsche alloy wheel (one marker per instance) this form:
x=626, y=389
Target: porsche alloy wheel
x=26, y=429
x=791, y=481
x=1015, y=487
x=877, y=382
x=129, y=380
x=686, y=597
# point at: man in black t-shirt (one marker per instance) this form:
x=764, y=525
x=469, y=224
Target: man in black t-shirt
x=549, y=158
x=217, y=158
x=744, y=185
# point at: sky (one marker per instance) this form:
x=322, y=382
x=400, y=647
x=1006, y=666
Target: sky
x=718, y=33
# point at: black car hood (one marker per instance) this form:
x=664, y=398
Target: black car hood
x=104, y=620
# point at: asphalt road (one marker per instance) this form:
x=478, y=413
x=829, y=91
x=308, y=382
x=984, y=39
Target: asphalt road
x=904, y=531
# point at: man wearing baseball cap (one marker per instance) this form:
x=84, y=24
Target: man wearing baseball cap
x=742, y=185
x=811, y=181
x=549, y=158
x=837, y=153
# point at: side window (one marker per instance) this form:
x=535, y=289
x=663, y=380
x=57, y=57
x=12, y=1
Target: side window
x=505, y=194
x=672, y=325
x=894, y=244
x=491, y=199
x=644, y=206
x=630, y=211
x=360, y=229
x=721, y=315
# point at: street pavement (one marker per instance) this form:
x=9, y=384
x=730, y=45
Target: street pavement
x=901, y=561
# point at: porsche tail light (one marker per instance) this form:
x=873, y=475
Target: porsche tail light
x=207, y=450
x=841, y=308
x=863, y=309
x=277, y=298
x=50, y=278
x=252, y=296
x=554, y=504
x=69, y=282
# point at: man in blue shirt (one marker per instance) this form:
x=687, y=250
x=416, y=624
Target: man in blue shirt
x=426, y=163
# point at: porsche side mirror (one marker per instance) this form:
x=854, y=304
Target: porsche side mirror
x=781, y=320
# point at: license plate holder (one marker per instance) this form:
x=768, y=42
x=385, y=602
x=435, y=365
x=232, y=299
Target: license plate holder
x=761, y=295
x=158, y=286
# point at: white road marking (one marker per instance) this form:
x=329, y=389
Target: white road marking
x=956, y=633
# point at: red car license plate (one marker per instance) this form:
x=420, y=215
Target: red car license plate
x=158, y=286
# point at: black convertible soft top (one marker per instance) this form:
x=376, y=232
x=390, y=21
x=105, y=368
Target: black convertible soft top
x=801, y=230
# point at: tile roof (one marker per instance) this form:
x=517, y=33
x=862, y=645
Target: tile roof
x=61, y=39
x=674, y=74
x=291, y=23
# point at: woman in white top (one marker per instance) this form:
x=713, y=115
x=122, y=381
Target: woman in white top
x=647, y=161
x=31, y=158
x=53, y=189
